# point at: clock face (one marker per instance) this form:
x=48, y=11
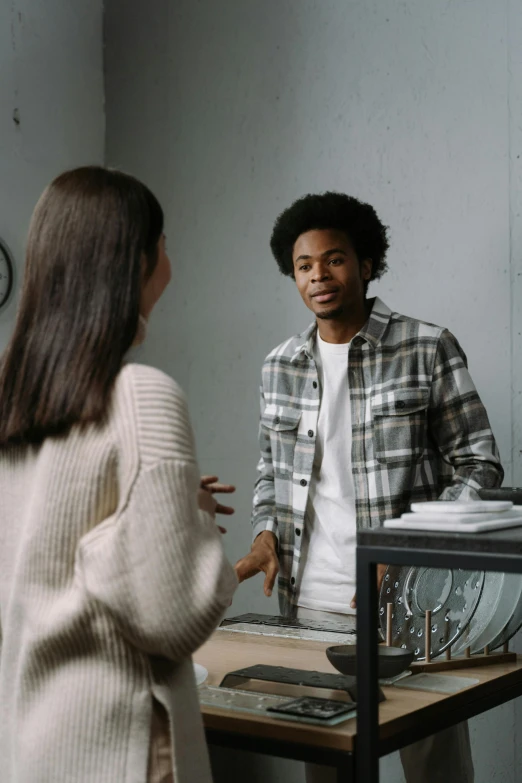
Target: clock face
x=6, y=274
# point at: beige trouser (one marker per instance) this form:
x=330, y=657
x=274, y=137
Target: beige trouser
x=442, y=758
x=160, y=753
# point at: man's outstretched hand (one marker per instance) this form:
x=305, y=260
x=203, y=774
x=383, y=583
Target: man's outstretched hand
x=262, y=557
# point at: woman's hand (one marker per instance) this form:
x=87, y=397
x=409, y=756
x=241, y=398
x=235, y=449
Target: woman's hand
x=209, y=485
x=206, y=502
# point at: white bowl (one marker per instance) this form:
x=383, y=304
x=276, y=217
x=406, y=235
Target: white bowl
x=200, y=673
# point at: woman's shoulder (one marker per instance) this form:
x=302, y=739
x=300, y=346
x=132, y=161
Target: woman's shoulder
x=150, y=384
x=157, y=408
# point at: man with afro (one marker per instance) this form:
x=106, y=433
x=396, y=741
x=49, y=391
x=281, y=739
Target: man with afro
x=364, y=413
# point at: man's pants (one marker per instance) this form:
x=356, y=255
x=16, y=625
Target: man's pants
x=442, y=758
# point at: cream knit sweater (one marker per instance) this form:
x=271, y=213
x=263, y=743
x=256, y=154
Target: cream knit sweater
x=110, y=578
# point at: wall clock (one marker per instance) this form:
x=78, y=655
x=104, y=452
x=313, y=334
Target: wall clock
x=6, y=274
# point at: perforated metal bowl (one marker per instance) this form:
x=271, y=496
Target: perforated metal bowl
x=451, y=595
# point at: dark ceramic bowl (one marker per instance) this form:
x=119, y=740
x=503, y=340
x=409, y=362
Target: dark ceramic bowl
x=391, y=660
x=502, y=493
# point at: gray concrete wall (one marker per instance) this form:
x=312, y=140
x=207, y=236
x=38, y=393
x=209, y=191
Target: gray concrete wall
x=231, y=110
x=51, y=108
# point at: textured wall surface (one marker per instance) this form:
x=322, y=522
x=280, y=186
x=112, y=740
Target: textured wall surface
x=51, y=107
x=232, y=110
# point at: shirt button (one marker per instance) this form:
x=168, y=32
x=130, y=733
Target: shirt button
x=303, y=482
x=297, y=532
x=292, y=580
x=310, y=433
x=277, y=420
x=400, y=404
x=314, y=384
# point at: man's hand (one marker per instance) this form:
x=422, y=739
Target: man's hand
x=381, y=570
x=263, y=557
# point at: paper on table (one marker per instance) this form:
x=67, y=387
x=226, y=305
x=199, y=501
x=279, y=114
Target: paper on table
x=438, y=683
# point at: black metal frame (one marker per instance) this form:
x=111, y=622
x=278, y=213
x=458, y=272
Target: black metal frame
x=328, y=757
x=369, y=747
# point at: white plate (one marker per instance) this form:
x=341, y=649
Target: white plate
x=449, y=526
x=461, y=506
x=200, y=673
x=462, y=519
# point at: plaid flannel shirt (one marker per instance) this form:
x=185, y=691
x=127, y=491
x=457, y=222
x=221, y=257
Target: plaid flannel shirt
x=419, y=430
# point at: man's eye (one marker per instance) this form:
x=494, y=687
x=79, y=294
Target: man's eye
x=336, y=261
x=304, y=267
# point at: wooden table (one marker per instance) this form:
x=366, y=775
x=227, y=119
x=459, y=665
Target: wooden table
x=404, y=717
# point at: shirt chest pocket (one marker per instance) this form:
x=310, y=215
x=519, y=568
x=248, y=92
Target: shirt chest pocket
x=400, y=419
x=281, y=424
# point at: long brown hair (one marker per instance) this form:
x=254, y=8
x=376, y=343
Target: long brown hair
x=78, y=314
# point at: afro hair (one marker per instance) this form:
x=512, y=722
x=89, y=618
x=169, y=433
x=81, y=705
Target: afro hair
x=336, y=211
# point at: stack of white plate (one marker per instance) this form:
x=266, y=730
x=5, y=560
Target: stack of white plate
x=468, y=609
x=459, y=516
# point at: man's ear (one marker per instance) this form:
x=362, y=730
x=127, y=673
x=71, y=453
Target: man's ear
x=366, y=268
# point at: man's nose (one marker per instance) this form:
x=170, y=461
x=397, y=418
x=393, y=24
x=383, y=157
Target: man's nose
x=320, y=273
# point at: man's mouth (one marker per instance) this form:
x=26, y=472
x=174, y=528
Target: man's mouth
x=325, y=295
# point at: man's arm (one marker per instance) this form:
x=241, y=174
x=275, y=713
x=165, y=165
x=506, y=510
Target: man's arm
x=459, y=425
x=263, y=555
x=263, y=505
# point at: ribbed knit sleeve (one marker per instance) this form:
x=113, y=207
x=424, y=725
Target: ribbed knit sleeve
x=158, y=565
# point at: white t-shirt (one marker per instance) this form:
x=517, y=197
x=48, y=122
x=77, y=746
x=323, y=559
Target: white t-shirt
x=327, y=580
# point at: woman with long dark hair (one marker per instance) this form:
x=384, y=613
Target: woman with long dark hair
x=111, y=567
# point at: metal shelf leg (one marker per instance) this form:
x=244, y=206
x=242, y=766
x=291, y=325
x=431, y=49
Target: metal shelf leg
x=367, y=746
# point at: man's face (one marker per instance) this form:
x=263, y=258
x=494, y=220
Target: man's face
x=328, y=273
